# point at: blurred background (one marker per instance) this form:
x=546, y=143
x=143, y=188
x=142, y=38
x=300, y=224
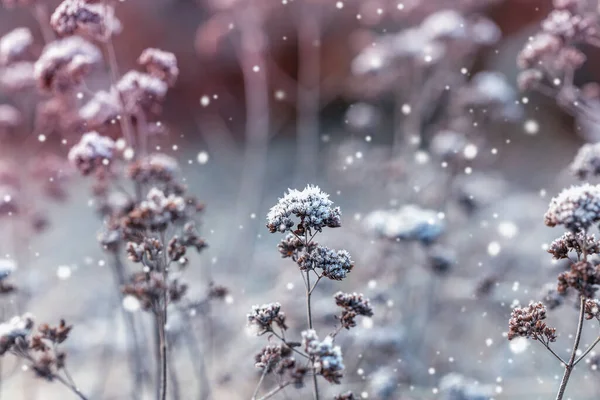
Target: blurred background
x=274, y=94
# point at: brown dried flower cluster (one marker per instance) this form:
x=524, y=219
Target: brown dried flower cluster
x=353, y=304
x=529, y=322
x=583, y=276
x=571, y=242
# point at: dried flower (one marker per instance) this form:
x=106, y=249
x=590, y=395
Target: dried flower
x=149, y=289
x=335, y=265
x=156, y=167
x=160, y=64
x=583, y=276
x=345, y=396
x=101, y=110
x=528, y=322
x=10, y=331
x=577, y=208
x=15, y=46
x=353, y=304
x=64, y=63
x=155, y=212
x=587, y=161
x=592, y=309
x=270, y=356
x=569, y=241
x=311, y=206
x=141, y=91
x=81, y=17
x=327, y=358
x=539, y=47
x=263, y=317
x=92, y=151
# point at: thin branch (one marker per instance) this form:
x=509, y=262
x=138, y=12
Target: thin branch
x=563, y=362
x=587, y=351
x=275, y=391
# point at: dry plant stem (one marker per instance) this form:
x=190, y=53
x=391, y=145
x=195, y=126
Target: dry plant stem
x=197, y=358
x=135, y=359
x=310, y=323
x=259, y=384
x=161, y=393
x=275, y=391
x=113, y=66
x=40, y=13
x=585, y=353
x=569, y=366
x=161, y=321
x=175, y=388
x=308, y=102
x=256, y=92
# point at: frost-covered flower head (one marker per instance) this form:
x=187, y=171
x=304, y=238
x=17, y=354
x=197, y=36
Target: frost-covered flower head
x=353, y=304
x=140, y=90
x=158, y=209
x=156, y=167
x=160, y=64
x=96, y=21
x=263, y=317
x=91, y=152
x=335, y=265
x=311, y=206
x=10, y=331
x=577, y=208
x=541, y=46
x=328, y=360
x=15, y=45
x=587, y=161
x=64, y=63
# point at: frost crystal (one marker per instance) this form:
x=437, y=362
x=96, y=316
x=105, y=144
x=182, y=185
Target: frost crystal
x=311, y=206
x=577, y=208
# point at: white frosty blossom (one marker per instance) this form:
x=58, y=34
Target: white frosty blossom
x=587, y=161
x=263, y=317
x=577, y=208
x=15, y=45
x=335, y=264
x=91, y=151
x=328, y=359
x=311, y=206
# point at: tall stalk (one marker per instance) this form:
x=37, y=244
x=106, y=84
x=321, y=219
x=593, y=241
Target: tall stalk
x=572, y=360
x=309, y=317
x=308, y=101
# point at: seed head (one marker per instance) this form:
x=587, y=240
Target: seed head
x=528, y=322
x=311, y=206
